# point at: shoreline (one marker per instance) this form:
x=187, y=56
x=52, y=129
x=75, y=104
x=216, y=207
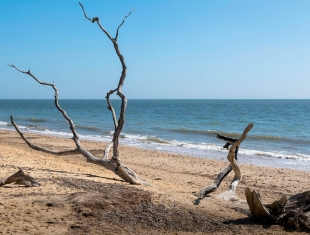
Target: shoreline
x=175, y=178
x=276, y=134
x=244, y=158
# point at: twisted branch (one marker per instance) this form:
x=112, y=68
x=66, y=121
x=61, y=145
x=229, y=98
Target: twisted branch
x=232, y=158
x=126, y=174
x=72, y=128
x=114, y=164
x=214, y=186
x=233, y=161
x=120, y=123
x=75, y=138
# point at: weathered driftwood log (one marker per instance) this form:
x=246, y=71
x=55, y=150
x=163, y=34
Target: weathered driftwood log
x=20, y=178
x=232, y=158
x=213, y=187
x=114, y=163
x=293, y=213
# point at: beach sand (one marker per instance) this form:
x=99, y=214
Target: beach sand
x=77, y=197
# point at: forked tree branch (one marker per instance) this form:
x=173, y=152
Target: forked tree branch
x=72, y=128
x=75, y=136
x=214, y=186
x=127, y=174
x=116, y=36
x=39, y=148
x=121, y=119
x=232, y=158
x=120, y=56
x=95, y=19
x=114, y=164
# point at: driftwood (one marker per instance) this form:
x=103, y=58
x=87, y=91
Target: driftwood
x=114, y=163
x=213, y=187
x=292, y=213
x=20, y=178
x=232, y=158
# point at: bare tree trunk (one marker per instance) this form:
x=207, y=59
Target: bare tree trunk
x=232, y=158
x=114, y=163
x=20, y=178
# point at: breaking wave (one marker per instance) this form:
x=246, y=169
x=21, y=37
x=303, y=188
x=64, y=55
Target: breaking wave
x=37, y=120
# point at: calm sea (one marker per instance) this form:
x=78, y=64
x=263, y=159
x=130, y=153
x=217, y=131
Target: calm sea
x=280, y=136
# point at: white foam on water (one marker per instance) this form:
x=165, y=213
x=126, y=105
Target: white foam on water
x=212, y=147
x=208, y=150
x=3, y=123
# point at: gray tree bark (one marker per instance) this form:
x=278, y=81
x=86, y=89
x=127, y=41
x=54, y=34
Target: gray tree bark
x=114, y=163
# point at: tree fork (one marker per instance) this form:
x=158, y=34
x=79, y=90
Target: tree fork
x=114, y=163
x=232, y=158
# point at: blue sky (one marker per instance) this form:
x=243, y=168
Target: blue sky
x=174, y=49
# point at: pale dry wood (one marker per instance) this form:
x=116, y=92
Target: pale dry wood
x=126, y=173
x=231, y=193
x=232, y=158
x=214, y=186
x=258, y=210
x=39, y=148
x=118, y=90
x=20, y=178
x=110, y=107
x=107, y=150
x=114, y=163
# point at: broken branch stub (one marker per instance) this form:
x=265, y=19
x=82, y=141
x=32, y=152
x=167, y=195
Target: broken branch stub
x=292, y=213
x=232, y=158
x=114, y=163
x=22, y=179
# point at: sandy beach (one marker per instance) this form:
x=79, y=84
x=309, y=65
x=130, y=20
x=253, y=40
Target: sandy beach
x=77, y=197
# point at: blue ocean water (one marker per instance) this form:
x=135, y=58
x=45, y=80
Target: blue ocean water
x=280, y=136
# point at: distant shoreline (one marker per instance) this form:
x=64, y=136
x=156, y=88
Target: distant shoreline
x=185, y=127
x=208, y=154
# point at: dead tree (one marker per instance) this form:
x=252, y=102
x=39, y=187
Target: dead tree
x=232, y=158
x=293, y=213
x=114, y=163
